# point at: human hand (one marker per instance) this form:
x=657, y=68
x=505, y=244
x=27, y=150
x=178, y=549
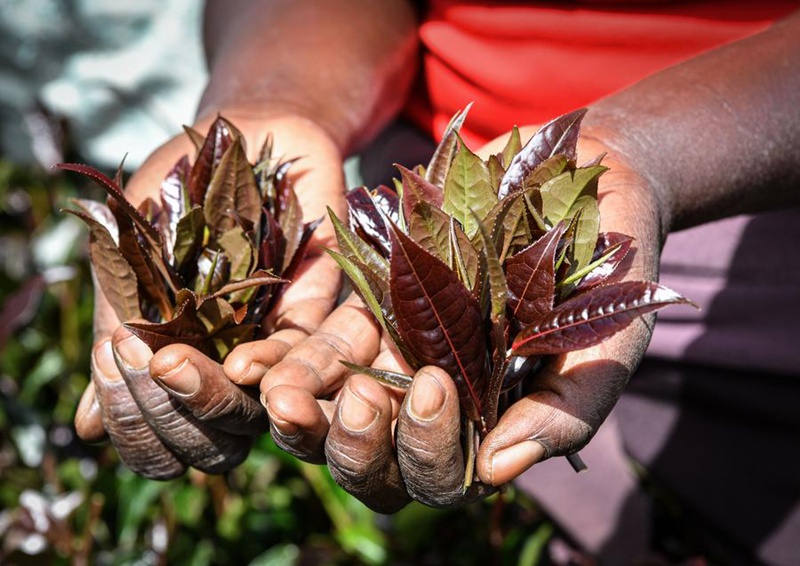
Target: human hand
x=562, y=410
x=178, y=408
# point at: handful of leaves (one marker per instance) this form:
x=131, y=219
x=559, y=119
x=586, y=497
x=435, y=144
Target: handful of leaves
x=483, y=267
x=203, y=265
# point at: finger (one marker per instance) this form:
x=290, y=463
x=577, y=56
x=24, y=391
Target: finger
x=299, y=422
x=301, y=310
x=568, y=401
x=194, y=442
x=351, y=334
x=105, y=320
x=318, y=181
x=136, y=443
x=201, y=386
x=359, y=446
x=429, y=446
x=88, y=417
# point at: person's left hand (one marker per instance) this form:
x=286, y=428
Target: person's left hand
x=388, y=449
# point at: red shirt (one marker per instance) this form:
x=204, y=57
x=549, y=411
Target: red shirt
x=528, y=62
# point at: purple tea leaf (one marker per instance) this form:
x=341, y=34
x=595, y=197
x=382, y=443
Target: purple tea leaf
x=232, y=193
x=531, y=277
x=118, y=196
x=438, y=319
x=589, y=318
x=557, y=136
x=416, y=189
x=220, y=137
x=366, y=220
x=114, y=274
x=387, y=202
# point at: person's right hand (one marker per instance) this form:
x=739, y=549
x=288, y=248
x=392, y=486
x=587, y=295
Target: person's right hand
x=178, y=408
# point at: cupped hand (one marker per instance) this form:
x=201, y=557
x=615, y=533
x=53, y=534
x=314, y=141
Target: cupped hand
x=388, y=449
x=178, y=408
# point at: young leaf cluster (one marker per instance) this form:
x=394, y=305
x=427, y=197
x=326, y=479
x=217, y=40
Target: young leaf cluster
x=204, y=263
x=481, y=267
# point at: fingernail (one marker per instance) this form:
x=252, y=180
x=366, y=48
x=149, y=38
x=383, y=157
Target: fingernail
x=104, y=362
x=181, y=380
x=511, y=462
x=354, y=413
x=285, y=429
x=427, y=398
x=133, y=352
x=253, y=374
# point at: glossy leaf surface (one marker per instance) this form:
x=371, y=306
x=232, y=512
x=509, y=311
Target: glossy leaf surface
x=438, y=319
x=588, y=319
x=531, y=278
x=559, y=136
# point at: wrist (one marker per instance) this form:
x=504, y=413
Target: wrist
x=629, y=157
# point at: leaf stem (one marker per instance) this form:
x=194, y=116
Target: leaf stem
x=577, y=463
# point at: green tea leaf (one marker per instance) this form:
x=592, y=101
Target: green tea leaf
x=238, y=248
x=546, y=170
x=362, y=285
x=429, y=227
x=189, y=241
x=437, y=169
x=393, y=378
x=587, y=228
x=560, y=194
x=464, y=258
x=468, y=188
x=512, y=148
x=356, y=249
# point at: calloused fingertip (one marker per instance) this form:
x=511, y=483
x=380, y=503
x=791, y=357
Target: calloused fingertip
x=508, y=463
x=355, y=413
x=88, y=417
x=130, y=350
x=243, y=371
x=426, y=398
x=104, y=367
x=183, y=380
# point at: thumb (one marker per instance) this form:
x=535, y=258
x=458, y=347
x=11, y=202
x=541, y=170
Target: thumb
x=570, y=399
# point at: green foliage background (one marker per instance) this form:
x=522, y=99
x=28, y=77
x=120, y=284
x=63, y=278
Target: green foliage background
x=65, y=502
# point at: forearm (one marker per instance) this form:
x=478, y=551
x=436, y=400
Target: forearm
x=345, y=65
x=718, y=135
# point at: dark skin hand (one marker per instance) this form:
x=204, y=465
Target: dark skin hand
x=177, y=408
x=388, y=449
x=681, y=165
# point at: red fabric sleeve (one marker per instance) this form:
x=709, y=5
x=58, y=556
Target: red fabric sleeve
x=527, y=62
